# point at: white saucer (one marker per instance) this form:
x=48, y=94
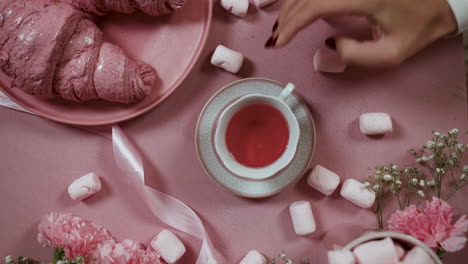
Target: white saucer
x=231, y=182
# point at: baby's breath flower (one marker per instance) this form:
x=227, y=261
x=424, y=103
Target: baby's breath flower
x=366, y=185
x=289, y=261
x=463, y=177
x=406, y=170
x=440, y=145
x=460, y=147
x=431, y=183
x=444, y=136
x=414, y=181
x=282, y=256
x=440, y=170
x=398, y=182
x=454, y=132
x=378, y=177
x=387, y=177
x=422, y=183
x=436, y=134
x=394, y=167
x=430, y=144
x=420, y=193
x=465, y=168
x=376, y=187
x=431, y=157
x=8, y=259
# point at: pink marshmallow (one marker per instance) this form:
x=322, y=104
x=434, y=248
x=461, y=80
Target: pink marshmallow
x=323, y=180
x=375, y=123
x=302, y=218
x=84, y=187
x=227, y=59
x=356, y=193
x=236, y=7
x=417, y=256
x=262, y=3
x=253, y=257
x=399, y=250
x=168, y=246
x=381, y=251
x=341, y=257
x=328, y=60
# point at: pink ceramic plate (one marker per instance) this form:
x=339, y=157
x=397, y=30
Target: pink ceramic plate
x=171, y=44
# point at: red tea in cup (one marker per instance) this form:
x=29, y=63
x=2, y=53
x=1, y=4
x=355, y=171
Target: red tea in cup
x=257, y=135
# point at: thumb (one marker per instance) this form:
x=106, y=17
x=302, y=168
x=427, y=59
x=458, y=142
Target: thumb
x=383, y=52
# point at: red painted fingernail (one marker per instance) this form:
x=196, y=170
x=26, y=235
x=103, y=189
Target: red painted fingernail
x=275, y=26
x=331, y=43
x=269, y=42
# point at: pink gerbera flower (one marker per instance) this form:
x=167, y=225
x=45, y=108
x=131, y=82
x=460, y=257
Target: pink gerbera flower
x=432, y=225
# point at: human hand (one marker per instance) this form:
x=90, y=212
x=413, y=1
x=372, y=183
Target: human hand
x=406, y=26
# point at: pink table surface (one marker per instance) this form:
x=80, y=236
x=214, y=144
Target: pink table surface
x=39, y=158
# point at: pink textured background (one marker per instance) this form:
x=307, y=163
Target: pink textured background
x=39, y=158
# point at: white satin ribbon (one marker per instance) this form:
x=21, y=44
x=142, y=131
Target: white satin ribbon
x=165, y=207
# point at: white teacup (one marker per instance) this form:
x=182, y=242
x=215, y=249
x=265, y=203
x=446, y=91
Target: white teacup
x=278, y=102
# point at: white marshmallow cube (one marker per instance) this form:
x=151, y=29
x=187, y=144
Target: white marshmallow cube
x=168, y=246
x=356, y=193
x=262, y=3
x=302, y=218
x=227, y=59
x=417, y=256
x=323, y=180
x=253, y=257
x=399, y=250
x=84, y=187
x=375, y=123
x=380, y=251
x=328, y=60
x=341, y=257
x=236, y=7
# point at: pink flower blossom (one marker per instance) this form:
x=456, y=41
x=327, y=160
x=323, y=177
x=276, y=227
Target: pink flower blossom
x=80, y=237
x=74, y=235
x=128, y=252
x=432, y=225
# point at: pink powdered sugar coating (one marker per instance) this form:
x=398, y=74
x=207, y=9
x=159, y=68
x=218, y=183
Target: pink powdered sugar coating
x=432, y=225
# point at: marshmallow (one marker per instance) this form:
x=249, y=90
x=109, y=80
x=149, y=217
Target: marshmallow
x=168, y=246
x=323, y=180
x=328, y=60
x=375, y=123
x=381, y=251
x=253, y=257
x=417, y=256
x=236, y=7
x=302, y=218
x=341, y=257
x=227, y=59
x=84, y=187
x=262, y=3
x=356, y=193
x=399, y=250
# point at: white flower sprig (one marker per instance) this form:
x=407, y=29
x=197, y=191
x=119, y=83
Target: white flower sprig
x=442, y=156
x=286, y=260
x=389, y=180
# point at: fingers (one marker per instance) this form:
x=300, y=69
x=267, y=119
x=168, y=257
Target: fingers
x=385, y=52
x=297, y=14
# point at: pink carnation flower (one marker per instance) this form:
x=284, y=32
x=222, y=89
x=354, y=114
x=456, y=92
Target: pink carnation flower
x=432, y=225
x=75, y=235
x=128, y=252
x=80, y=237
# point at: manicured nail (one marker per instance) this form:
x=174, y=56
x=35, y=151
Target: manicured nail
x=269, y=42
x=275, y=26
x=273, y=43
x=331, y=43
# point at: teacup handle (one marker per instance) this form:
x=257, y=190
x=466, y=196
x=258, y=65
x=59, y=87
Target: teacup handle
x=287, y=91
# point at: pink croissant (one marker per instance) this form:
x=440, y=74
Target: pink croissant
x=150, y=7
x=50, y=48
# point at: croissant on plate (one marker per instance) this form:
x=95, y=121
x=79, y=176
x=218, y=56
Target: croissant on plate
x=51, y=48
